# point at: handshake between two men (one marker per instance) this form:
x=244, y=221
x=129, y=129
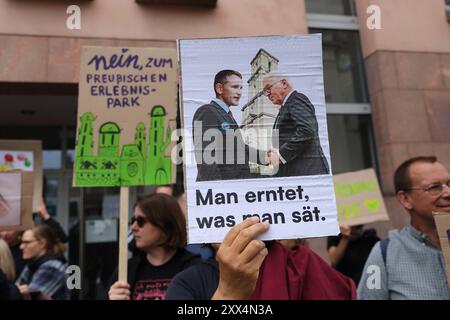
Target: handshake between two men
x=273, y=157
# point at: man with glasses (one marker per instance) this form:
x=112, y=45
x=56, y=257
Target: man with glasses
x=411, y=264
x=300, y=152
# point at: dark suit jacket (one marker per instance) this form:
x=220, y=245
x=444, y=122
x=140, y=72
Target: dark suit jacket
x=299, y=142
x=236, y=166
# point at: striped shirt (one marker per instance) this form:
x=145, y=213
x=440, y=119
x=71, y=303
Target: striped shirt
x=414, y=269
x=50, y=279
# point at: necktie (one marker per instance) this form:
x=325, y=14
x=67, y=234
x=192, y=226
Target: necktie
x=231, y=116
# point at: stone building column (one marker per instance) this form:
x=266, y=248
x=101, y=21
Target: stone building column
x=408, y=73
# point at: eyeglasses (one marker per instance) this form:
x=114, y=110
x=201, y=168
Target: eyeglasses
x=140, y=221
x=267, y=89
x=27, y=242
x=434, y=189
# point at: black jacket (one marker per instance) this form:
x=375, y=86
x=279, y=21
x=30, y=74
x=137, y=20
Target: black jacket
x=299, y=142
x=8, y=291
x=213, y=116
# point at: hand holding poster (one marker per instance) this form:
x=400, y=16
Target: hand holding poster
x=256, y=140
x=359, y=199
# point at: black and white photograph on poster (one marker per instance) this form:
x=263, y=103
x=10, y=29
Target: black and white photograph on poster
x=256, y=139
x=10, y=199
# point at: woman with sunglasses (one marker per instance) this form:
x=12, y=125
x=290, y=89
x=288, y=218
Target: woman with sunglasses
x=44, y=277
x=159, y=228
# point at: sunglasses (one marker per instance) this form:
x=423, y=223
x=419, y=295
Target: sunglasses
x=140, y=221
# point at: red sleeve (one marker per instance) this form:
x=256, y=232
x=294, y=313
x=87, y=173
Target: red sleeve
x=300, y=275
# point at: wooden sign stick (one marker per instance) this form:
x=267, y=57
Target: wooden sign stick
x=123, y=233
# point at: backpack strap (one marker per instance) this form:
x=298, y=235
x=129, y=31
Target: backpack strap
x=383, y=246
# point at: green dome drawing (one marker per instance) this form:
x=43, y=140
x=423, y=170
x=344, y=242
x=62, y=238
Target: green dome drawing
x=87, y=116
x=158, y=111
x=109, y=127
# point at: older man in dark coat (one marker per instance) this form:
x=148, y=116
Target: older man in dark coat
x=300, y=152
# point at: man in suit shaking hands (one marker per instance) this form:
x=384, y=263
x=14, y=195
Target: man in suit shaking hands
x=299, y=152
x=220, y=151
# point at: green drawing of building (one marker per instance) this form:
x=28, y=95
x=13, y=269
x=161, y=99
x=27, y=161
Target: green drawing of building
x=139, y=138
x=130, y=167
x=108, y=140
x=158, y=166
x=85, y=141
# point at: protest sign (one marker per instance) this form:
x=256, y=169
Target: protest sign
x=24, y=156
x=16, y=196
x=358, y=197
x=442, y=220
x=259, y=158
x=126, y=113
x=16, y=160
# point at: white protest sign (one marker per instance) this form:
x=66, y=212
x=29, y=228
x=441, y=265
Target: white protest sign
x=227, y=176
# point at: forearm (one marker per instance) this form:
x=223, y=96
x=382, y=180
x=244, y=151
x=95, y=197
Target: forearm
x=336, y=253
x=223, y=294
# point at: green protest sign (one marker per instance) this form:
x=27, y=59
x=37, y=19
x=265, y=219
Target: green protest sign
x=359, y=198
x=126, y=114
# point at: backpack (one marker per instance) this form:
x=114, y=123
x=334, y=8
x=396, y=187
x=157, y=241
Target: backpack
x=383, y=246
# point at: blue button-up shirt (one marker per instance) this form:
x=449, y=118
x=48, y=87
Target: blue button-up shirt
x=414, y=269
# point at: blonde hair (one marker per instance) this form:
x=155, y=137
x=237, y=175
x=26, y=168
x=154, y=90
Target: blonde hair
x=6, y=261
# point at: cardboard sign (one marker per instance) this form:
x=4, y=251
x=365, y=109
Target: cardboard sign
x=16, y=160
x=16, y=196
x=24, y=156
x=226, y=142
x=126, y=115
x=442, y=220
x=359, y=199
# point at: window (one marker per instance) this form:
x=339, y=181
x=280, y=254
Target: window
x=351, y=142
x=336, y=7
x=349, y=118
x=343, y=66
x=447, y=6
x=51, y=159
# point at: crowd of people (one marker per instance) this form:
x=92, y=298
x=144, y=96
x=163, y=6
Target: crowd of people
x=32, y=262
x=410, y=261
